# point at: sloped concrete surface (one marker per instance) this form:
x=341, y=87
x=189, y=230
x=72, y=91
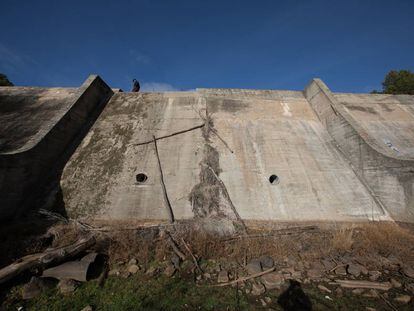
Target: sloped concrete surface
x=39, y=127
x=261, y=133
x=374, y=132
x=28, y=113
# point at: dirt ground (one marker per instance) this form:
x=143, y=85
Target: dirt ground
x=307, y=259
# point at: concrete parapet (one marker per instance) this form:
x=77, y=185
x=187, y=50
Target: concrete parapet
x=32, y=152
x=387, y=174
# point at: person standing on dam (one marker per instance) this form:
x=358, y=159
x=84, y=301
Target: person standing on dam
x=135, y=86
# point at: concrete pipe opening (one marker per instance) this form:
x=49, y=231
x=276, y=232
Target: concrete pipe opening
x=274, y=179
x=141, y=178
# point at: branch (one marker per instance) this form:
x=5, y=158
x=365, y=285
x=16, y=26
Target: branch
x=169, y=135
x=164, y=189
x=192, y=255
x=246, y=278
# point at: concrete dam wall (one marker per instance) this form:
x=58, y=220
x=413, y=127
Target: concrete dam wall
x=39, y=129
x=258, y=155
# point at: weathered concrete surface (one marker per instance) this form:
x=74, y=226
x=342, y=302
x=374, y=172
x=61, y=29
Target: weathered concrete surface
x=266, y=132
x=376, y=134
x=37, y=128
x=337, y=156
x=100, y=179
x=281, y=135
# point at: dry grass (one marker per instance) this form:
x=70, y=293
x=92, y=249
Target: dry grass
x=342, y=239
x=385, y=239
x=366, y=240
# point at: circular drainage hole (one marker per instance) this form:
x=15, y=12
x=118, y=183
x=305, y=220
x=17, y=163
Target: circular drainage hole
x=274, y=179
x=141, y=178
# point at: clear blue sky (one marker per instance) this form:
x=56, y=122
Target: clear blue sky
x=175, y=44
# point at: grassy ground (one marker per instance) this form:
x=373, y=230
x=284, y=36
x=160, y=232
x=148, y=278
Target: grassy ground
x=142, y=292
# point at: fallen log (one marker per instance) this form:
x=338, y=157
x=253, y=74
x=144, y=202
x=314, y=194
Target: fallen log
x=46, y=258
x=363, y=284
x=246, y=278
x=275, y=233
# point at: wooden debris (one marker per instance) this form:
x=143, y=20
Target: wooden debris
x=388, y=303
x=192, y=256
x=284, y=231
x=174, y=247
x=364, y=284
x=45, y=259
x=246, y=278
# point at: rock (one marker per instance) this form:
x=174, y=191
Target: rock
x=374, y=275
x=393, y=260
x=339, y=292
x=175, y=260
x=170, y=270
x=409, y=287
x=133, y=269
x=223, y=277
x=254, y=267
x=67, y=286
x=268, y=299
x=356, y=269
x=340, y=270
x=264, y=304
x=288, y=270
x=266, y=262
x=403, y=299
x=257, y=289
x=87, y=308
x=296, y=275
x=114, y=272
x=357, y=291
x=207, y=276
x=370, y=309
x=372, y=293
x=126, y=274
x=324, y=289
x=272, y=280
x=152, y=271
x=133, y=261
x=34, y=287
x=328, y=264
x=395, y=283
x=408, y=271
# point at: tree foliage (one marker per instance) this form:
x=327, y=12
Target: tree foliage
x=398, y=82
x=4, y=81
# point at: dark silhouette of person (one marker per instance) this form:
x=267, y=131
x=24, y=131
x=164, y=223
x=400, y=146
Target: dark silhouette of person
x=294, y=298
x=135, y=86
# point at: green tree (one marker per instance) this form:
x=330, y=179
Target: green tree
x=398, y=82
x=4, y=81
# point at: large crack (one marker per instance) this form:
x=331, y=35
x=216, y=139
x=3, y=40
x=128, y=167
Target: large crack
x=205, y=197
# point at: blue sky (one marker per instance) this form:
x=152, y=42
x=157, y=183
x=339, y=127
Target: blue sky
x=182, y=45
